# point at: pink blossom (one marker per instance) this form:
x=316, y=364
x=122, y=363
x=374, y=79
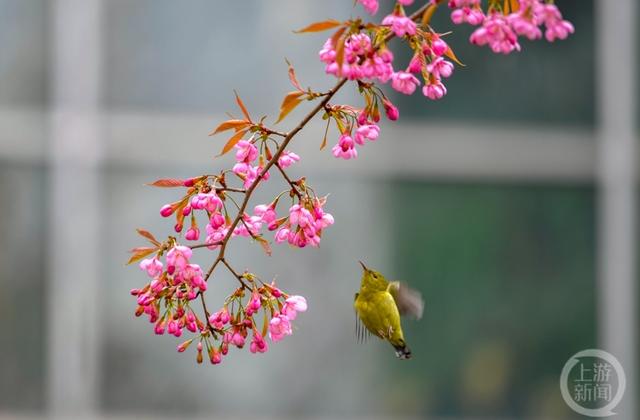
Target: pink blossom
x=366, y=131
x=153, y=266
x=166, y=210
x=178, y=258
x=214, y=356
x=361, y=60
x=282, y=235
x=206, y=201
x=400, y=25
x=237, y=339
x=258, y=343
x=434, y=90
x=415, y=65
x=254, y=304
x=438, y=46
x=220, y=318
x=279, y=327
x=249, y=173
x=304, y=227
x=526, y=20
x=345, y=148
x=322, y=219
x=440, y=68
x=371, y=6
x=293, y=305
x=391, y=110
x=404, y=82
x=468, y=11
x=250, y=226
x=191, y=275
x=287, y=159
x=405, y=2
x=192, y=234
x=497, y=33
x=266, y=213
x=174, y=329
x=245, y=151
x=557, y=28
x=300, y=216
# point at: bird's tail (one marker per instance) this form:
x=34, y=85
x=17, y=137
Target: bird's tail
x=402, y=351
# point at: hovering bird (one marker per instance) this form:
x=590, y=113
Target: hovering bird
x=378, y=306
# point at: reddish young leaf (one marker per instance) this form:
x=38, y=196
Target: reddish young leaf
x=167, y=183
x=230, y=124
x=179, y=214
x=336, y=36
x=242, y=107
x=428, y=14
x=326, y=131
x=233, y=141
x=449, y=53
x=289, y=103
x=149, y=236
x=340, y=53
x=293, y=78
x=320, y=26
x=139, y=253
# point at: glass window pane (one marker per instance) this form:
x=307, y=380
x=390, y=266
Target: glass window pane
x=22, y=282
x=23, y=57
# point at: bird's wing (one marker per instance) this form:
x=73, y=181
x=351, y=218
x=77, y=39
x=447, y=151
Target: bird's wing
x=408, y=300
x=362, y=333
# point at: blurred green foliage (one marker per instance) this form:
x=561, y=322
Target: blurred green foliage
x=508, y=277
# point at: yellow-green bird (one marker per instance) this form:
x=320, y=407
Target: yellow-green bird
x=379, y=304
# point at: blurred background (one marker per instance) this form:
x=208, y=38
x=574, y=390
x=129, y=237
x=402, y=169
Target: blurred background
x=510, y=204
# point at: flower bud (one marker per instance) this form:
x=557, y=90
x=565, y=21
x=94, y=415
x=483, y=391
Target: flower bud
x=183, y=346
x=392, y=112
x=166, y=210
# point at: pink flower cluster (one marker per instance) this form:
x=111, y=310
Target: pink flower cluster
x=500, y=32
x=466, y=11
x=400, y=24
x=432, y=65
x=246, y=154
x=361, y=61
x=365, y=130
x=181, y=281
x=280, y=324
x=305, y=224
x=236, y=328
x=218, y=226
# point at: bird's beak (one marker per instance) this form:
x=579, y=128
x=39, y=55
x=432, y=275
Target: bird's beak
x=364, y=267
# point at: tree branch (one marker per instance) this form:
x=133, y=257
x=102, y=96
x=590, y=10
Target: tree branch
x=273, y=161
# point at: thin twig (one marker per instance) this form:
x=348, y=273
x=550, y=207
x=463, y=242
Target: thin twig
x=294, y=186
x=237, y=276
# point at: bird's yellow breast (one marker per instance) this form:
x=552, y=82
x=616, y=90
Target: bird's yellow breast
x=379, y=314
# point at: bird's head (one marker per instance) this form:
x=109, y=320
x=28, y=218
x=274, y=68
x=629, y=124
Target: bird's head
x=371, y=279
